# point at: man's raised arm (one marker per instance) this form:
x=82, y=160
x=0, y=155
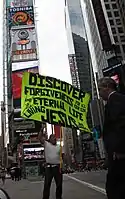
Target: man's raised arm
x=42, y=137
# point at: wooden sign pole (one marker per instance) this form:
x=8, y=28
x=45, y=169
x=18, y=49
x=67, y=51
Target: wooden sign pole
x=61, y=148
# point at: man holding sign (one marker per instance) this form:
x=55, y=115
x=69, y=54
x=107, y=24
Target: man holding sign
x=52, y=157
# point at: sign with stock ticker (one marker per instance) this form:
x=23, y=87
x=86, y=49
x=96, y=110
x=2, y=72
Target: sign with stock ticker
x=54, y=101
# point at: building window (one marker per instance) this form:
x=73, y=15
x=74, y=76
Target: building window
x=107, y=6
x=114, y=6
x=111, y=22
x=120, y=29
x=117, y=48
x=122, y=38
x=118, y=21
x=113, y=30
x=109, y=14
x=116, y=38
x=116, y=13
x=124, y=48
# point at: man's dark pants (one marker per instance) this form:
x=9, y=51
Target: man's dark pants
x=50, y=173
x=115, y=185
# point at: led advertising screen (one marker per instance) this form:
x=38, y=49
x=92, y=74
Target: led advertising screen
x=33, y=153
x=117, y=73
x=23, y=44
x=19, y=3
x=17, y=66
x=17, y=81
x=17, y=85
x=21, y=16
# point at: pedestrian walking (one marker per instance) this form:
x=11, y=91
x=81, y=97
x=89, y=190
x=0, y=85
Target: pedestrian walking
x=20, y=173
x=12, y=172
x=17, y=174
x=3, y=175
x=52, y=170
x=114, y=137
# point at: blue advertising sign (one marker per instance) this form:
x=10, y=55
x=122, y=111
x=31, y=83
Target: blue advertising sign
x=21, y=16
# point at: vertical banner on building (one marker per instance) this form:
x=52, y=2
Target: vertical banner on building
x=73, y=70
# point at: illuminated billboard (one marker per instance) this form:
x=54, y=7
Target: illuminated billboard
x=23, y=44
x=19, y=3
x=17, y=81
x=18, y=16
x=33, y=153
x=117, y=73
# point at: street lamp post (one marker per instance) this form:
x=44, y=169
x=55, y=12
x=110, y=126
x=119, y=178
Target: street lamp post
x=3, y=129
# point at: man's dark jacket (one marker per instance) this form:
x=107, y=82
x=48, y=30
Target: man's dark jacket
x=114, y=124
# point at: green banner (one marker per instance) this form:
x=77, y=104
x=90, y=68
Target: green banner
x=54, y=101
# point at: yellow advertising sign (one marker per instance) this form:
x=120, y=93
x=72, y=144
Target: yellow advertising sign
x=54, y=101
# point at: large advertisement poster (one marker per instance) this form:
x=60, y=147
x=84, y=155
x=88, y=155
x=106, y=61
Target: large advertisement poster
x=23, y=44
x=17, y=84
x=19, y=3
x=21, y=16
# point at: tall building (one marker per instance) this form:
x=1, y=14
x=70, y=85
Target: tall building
x=80, y=44
x=105, y=32
x=116, y=15
x=20, y=55
x=79, y=59
x=98, y=40
x=121, y=4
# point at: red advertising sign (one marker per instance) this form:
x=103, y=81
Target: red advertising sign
x=57, y=129
x=23, y=52
x=17, y=81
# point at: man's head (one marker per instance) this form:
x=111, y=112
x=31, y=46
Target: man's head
x=52, y=139
x=106, y=85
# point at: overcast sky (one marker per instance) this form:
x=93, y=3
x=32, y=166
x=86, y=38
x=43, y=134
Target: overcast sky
x=53, y=47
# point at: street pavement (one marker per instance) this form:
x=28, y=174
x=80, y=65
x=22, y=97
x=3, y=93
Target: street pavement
x=96, y=178
x=73, y=188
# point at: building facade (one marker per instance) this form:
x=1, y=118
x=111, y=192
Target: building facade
x=96, y=48
x=80, y=44
x=116, y=15
x=20, y=55
x=121, y=4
